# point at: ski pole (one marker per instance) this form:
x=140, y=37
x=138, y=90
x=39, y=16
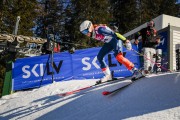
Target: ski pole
x=150, y=60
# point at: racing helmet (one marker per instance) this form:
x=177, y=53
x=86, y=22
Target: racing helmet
x=84, y=27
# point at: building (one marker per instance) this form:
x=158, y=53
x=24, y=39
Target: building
x=161, y=22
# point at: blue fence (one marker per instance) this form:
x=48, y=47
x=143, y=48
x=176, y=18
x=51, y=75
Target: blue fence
x=83, y=64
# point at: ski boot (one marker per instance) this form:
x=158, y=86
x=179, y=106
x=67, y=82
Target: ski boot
x=104, y=79
x=107, y=76
x=137, y=74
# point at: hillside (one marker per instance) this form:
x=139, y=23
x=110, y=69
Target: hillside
x=154, y=97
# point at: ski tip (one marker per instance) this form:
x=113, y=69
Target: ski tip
x=106, y=93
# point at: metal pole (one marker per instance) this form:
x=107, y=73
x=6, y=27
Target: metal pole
x=52, y=59
x=17, y=25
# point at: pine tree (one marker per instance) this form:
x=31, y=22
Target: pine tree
x=66, y=34
x=132, y=13
x=57, y=15
x=26, y=9
x=126, y=14
x=51, y=15
x=97, y=11
x=153, y=8
x=169, y=7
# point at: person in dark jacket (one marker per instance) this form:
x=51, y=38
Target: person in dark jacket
x=149, y=42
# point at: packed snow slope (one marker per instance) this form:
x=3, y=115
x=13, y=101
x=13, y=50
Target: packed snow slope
x=156, y=97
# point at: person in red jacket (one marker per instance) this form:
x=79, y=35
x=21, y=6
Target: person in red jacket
x=112, y=41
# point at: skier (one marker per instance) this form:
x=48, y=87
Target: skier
x=149, y=42
x=112, y=41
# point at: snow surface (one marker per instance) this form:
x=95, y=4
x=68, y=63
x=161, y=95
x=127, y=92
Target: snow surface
x=156, y=97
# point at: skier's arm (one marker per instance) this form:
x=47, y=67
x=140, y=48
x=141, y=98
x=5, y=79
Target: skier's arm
x=111, y=33
x=120, y=36
x=105, y=31
x=126, y=42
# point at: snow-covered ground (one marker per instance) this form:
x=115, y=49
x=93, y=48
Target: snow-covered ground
x=156, y=97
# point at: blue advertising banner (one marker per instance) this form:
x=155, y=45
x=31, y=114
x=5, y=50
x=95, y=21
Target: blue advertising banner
x=86, y=65
x=34, y=71
x=29, y=72
x=164, y=47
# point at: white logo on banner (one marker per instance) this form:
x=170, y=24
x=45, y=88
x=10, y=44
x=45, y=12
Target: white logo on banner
x=86, y=62
x=162, y=42
x=26, y=69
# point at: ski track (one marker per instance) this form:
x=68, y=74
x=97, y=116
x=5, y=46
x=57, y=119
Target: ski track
x=155, y=97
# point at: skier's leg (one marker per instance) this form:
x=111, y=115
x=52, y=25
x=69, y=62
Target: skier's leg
x=106, y=48
x=118, y=52
x=120, y=58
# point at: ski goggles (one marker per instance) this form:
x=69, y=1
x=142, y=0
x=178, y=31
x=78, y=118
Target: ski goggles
x=85, y=32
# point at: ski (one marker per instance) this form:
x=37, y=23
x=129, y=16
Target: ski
x=85, y=88
x=134, y=79
x=105, y=93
